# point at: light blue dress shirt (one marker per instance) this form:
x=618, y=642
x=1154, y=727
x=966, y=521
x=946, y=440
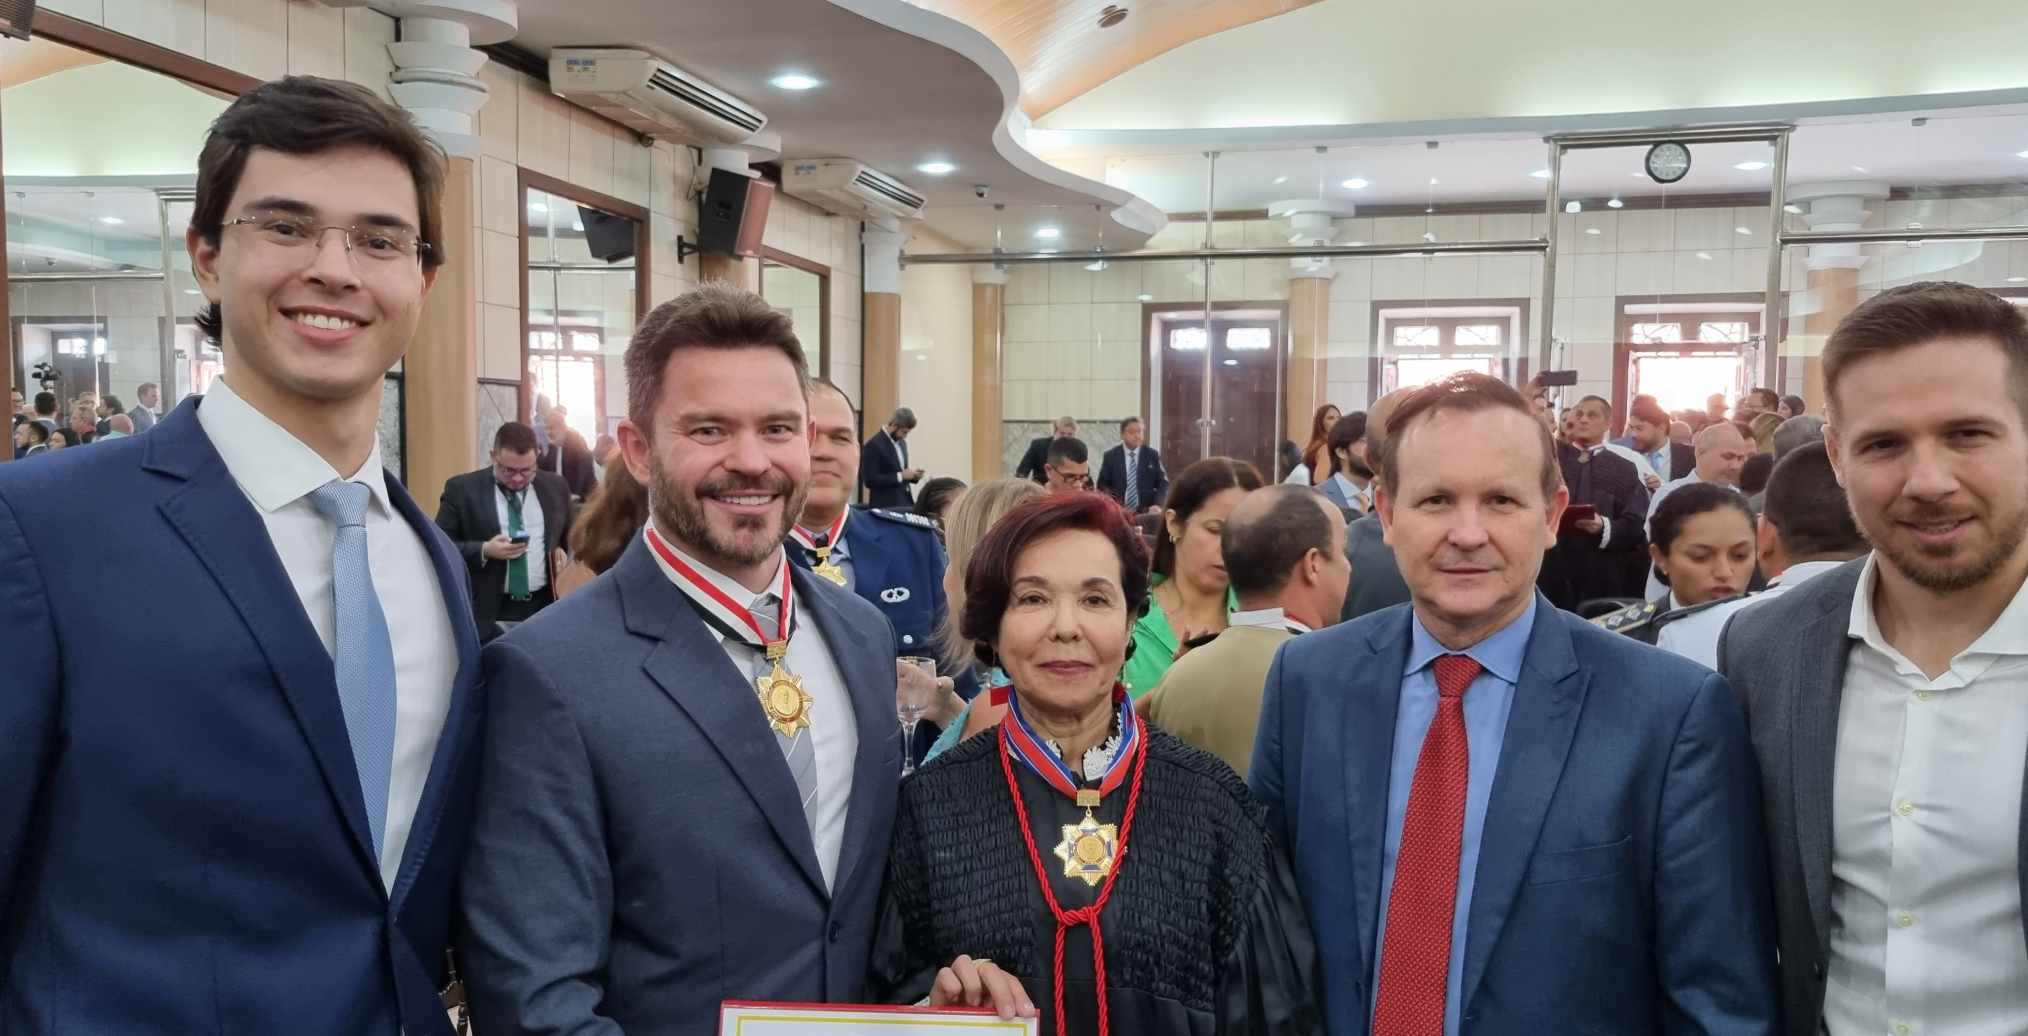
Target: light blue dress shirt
x=1487, y=702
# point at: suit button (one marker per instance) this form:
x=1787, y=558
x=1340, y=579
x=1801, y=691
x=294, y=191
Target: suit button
x=1818, y=970
x=835, y=929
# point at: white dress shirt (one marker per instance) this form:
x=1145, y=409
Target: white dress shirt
x=1926, y=936
x=532, y=524
x=1298, y=476
x=1269, y=618
x=832, y=720
x=1695, y=637
x=278, y=473
x=1635, y=457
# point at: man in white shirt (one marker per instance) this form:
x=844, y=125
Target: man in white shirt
x=1805, y=531
x=1721, y=453
x=241, y=807
x=1886, y=699
x=1589, y=421
x=691, y=771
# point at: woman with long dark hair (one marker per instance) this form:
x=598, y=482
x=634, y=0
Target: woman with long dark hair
x=1192, y=596
x=610, y=520
x=1313, y=454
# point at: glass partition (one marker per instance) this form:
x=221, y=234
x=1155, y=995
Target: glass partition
x=803, y=291
x=581, y=303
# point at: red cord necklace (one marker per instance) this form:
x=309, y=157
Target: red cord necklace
x=1135, y=734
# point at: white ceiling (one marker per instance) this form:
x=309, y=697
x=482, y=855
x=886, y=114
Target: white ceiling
x=901, y=86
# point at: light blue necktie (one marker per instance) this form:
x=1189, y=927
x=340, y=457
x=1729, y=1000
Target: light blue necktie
x=365, y=653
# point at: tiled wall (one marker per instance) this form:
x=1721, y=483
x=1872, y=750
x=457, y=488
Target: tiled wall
x=266, y=39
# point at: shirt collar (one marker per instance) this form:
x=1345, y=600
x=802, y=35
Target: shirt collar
x=725, y=584
x=1269, y=617
x=2008, y=635
x=1798, y=573
x=273, y=467
x=1500, y=654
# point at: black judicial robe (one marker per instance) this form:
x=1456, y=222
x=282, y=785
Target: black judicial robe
x=1204, y=933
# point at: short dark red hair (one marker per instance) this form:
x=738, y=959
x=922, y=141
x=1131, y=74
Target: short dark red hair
x=989, y=577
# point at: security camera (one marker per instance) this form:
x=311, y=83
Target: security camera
x=979, y=190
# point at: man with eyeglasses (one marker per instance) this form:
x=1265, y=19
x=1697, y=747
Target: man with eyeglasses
x=508, y=520
x=245, y=812
x=1068, y=467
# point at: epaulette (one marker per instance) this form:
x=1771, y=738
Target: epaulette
x=1678, y=613
x=1627, y=619
x=904, y=518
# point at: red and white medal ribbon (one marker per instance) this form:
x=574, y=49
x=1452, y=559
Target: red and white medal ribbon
x=723, y=613
x=809, y=539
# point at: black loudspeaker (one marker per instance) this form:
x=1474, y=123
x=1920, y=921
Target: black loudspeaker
x=733, y=214
x=17, y=18
x=610, y=237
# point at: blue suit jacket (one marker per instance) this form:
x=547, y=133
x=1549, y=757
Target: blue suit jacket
x=641, y=852
x=1621, y=884
x=898, y=567
x=183, y=841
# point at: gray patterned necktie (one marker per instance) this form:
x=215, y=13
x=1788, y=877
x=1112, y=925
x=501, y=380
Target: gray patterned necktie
x=1133, y=500
x=800, y=751
x=364, y=655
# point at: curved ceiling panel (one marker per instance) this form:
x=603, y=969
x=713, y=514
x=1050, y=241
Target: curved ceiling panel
x=1063, y=51
x=898, y=87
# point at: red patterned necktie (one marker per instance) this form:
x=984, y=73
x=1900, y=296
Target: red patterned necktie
x=1415, y=959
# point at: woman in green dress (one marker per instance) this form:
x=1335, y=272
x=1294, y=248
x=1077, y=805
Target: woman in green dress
x=1191, y=594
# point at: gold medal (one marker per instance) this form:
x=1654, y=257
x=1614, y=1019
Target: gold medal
x=826, y=569
x=1088, y=848
x=782, y=695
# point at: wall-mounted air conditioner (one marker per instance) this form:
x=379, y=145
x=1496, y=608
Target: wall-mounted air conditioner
x=847, y=188
x=640, y=91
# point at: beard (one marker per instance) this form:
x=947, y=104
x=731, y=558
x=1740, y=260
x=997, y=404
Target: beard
x=1357, y=468
x=1951, y=567
x=681, y=516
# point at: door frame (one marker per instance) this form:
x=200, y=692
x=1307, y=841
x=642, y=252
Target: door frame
x=1151, y=317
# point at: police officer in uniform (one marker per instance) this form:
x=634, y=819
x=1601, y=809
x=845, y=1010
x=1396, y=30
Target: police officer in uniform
x=1644, y=621
x=890, y=558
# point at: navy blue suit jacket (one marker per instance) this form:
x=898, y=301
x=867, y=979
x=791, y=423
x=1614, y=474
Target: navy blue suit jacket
x=183, y=842
x=641, y=852
x=898, y=567
x=1153, y=478
x=1621, y=885
x=880, y=469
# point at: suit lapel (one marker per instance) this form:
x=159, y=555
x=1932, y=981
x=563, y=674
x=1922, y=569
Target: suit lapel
x=1547, y=703
x=228, y=535
x=1370, y=716
x=869, y=682
x=464, y=686
x=694, y=671
x=1818, y=674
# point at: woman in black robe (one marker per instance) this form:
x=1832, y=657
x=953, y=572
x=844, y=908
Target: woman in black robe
x=1006, y=846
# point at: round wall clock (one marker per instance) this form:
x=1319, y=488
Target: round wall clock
x=1668, y=162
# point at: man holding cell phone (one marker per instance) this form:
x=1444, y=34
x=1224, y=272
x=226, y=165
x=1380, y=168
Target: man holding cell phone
x=508, y=520
x=1601, y=541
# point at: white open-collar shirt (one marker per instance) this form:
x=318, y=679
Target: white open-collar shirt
x=278, y=473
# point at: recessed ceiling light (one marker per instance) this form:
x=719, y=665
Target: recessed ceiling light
x=922, y=356
x=113, y=220
x=794, y=81
x=1432, y=181
x=1797, y=209
x=1741, y=230
x=1615, y=204
x=1573, y=206
x=192, y=291
x=935, y=168
x=1281, y=179
x=1232, y=363
x=577, y=225
x=1750, y=166
x=1356, y=184
x=1049, y=232
x=1112, y=16
x=2016, y=280
x=1592, y=230
x=1704, y=255
x=536, y=206
x=1429, y=235
x=1540, y=174
x=1145, y=298
x=1858, y=168
x=2022, y=154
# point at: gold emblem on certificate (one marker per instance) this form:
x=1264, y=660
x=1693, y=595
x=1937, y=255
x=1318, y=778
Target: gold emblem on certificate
x=826, y=569
x=1089, y=848
x=782, y=695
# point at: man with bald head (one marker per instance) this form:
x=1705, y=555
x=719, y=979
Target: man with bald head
x=1721, y=453
x=1284, y=548
x=1376, y=580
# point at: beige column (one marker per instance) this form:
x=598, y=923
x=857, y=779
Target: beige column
x=880, y=392
x=1833, y=273
x=1309, y=347
x=1835, y=292
x=440, y=380
x=989, y=295
x=738, y=271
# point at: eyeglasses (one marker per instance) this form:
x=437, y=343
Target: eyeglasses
x=294, y=230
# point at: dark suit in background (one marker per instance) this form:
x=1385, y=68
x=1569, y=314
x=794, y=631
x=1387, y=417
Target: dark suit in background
x=881, y=461
x=1620, y=884
x=184, y=845
x=1154, y=479
x=1376, y=576
x=1581, y=567
x=142, y=417
x=1032, y=461
x=641, y=853
x=470, y=515
x=573, y=460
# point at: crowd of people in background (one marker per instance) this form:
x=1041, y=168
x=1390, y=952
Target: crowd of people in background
x=1482, y=721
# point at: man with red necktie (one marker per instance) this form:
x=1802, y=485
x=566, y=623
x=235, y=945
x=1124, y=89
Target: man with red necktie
x=1504, y=821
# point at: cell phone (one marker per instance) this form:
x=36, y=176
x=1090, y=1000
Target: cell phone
x=519, y=537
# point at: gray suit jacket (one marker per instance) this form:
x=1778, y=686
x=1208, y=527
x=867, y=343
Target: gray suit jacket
x=640, y=852
x=1376, y=577
x=1786, y=661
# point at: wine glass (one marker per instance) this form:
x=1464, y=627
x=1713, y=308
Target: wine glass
x=915, y=689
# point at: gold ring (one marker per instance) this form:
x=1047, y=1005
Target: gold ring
x=976, y=961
